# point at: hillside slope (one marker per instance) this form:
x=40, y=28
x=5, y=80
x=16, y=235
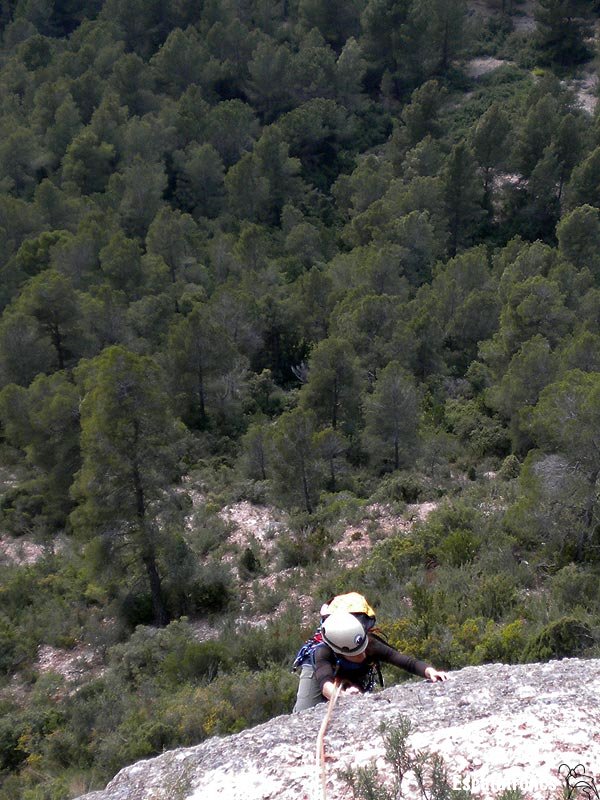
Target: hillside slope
x=496, y=726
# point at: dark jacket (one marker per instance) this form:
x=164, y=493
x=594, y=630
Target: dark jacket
x=330, y=665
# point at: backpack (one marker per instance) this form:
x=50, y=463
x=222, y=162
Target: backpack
x=306, y=654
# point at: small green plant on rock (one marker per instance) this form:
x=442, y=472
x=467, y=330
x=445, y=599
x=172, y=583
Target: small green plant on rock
x=426, y=771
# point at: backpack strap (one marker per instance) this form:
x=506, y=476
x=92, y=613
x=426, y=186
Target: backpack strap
x=307, y=651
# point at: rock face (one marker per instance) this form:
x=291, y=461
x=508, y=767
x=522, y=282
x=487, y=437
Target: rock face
x=496, y=726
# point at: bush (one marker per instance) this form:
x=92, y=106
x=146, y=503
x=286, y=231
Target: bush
x=11, y=730
x=230, y=704
x=459, y=547
x=249, y=564
x=339, y=507
x=143, y=656
x=494, y=596
x=399, y=487
x=563, y=638
x=8, y=647
x=257, y=648
x=390, y=562
x=447, y=518
x=480, y=434
x=212, y=591
x=574, y=586
x=20, y=507
x=510, y=469
x=303, y=547
x=207, y=532
x=427, y=770
x=195, y=661
x=42, y=602
x=502, y=644
x=135, y=609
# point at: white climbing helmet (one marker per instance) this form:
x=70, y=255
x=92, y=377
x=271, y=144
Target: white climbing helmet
x=344, y=634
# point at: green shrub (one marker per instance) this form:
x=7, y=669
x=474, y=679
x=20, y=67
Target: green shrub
x=303, y=547
x=8, y=647
x=390, y=562
x=399, y=487
x=339, y=507
x=94, y=713
x=249, y=564
x=574, y=586
x=212, y=590
x=194, y=662
x=207, y=531
x=257, y=647
x=459, y=547
x=135, y=609
x=563, y=638
x=494, y=595
x=39, y=603
x=504, y=644
x=19, y=587
x=510, y=469
x=11, y=730
x=512, y=793
x=61, y=748
x=143, y=656
x=480, y=434
x=447, y=518
x=20, y=507
x=426, y=769
x=230, y=704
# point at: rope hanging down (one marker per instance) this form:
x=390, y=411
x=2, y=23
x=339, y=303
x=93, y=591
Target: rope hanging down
x=321, y=771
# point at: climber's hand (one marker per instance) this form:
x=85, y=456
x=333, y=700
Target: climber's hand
x=434, y=675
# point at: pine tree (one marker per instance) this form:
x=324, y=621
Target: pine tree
x=129, y=448
x=464, y=197
x=561, y=31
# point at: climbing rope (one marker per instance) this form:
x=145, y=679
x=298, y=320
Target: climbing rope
x=321, y=771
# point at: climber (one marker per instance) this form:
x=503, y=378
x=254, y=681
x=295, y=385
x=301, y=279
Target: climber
x=347, y=650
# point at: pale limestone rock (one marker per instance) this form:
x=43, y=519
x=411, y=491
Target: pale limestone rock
x=496, y=726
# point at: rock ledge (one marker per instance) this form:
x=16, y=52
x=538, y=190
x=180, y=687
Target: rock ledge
x=496, y=726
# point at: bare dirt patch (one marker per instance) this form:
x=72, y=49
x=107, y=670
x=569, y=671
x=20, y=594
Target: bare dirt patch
x=252, y=522
x=586, y=90
x=20, y=551
x=524, y=20
x=481, y=66
x=73, y=665
x=357, y=540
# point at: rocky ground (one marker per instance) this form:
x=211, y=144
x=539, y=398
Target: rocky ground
x=495, y=726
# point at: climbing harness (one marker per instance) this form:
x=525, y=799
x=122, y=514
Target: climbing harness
x=321, y=770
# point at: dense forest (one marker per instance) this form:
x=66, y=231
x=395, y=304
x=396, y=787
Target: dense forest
x=301, y=253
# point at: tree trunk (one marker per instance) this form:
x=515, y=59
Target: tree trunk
x=161, y=615
x=201, y=393
x=334, y=405
x=307, y=503
x=57, y=342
